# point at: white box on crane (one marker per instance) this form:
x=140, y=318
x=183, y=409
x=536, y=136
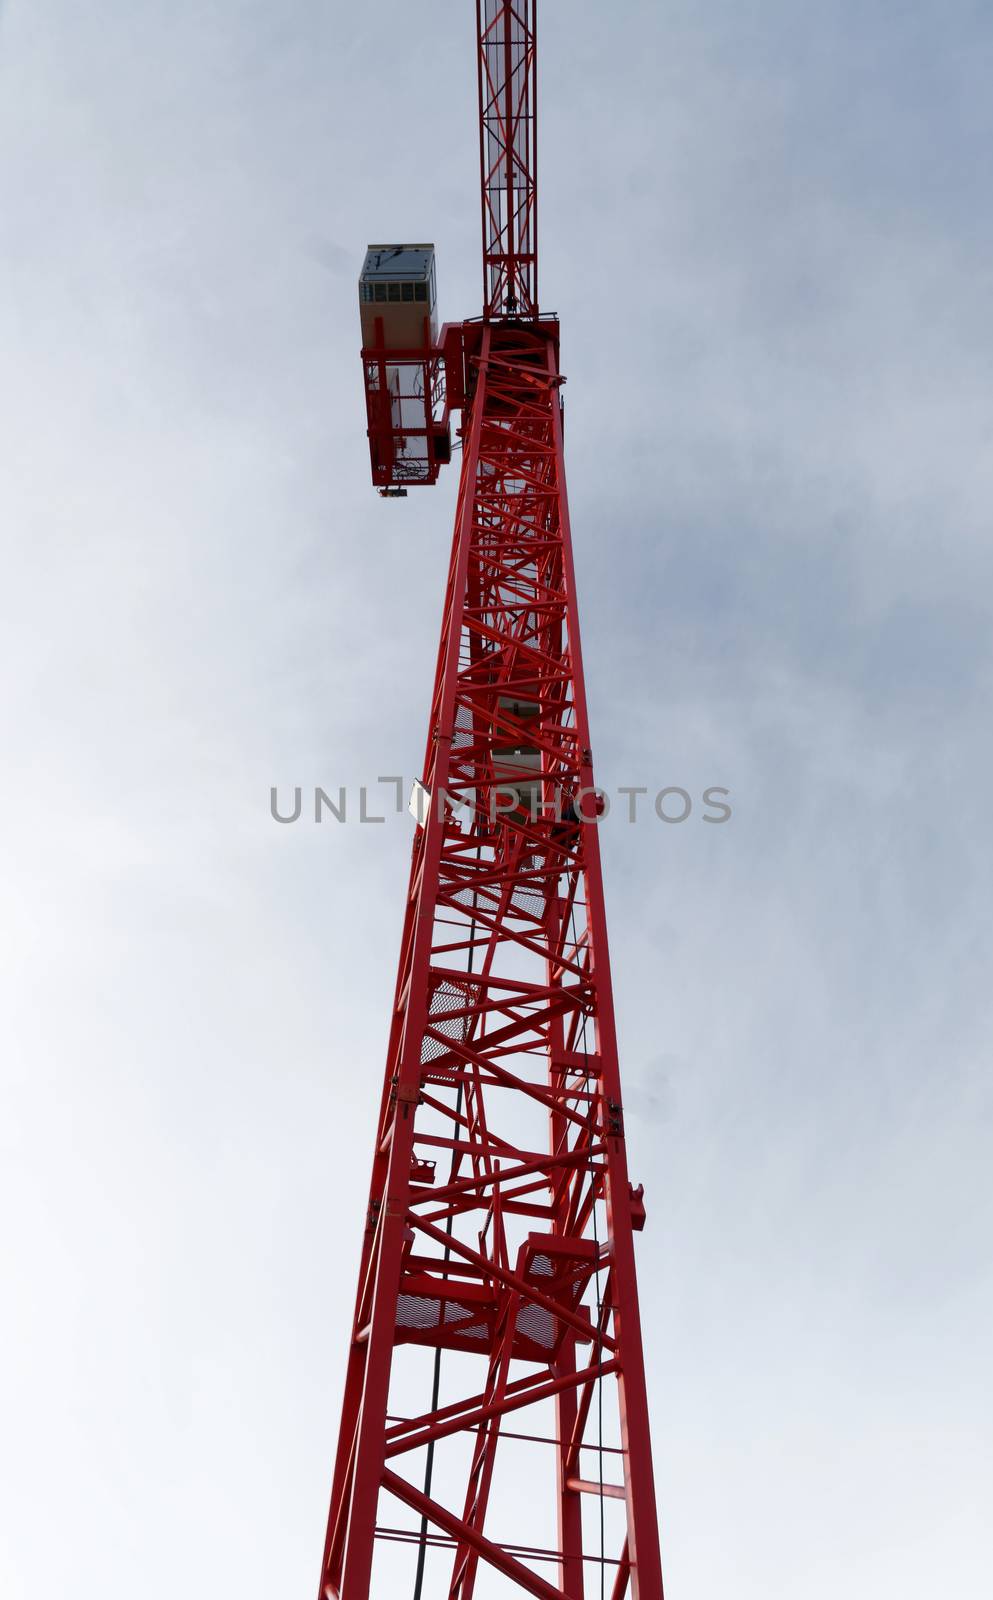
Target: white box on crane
x=397, y=283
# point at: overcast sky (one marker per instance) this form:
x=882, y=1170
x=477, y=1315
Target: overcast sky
x=767, y=228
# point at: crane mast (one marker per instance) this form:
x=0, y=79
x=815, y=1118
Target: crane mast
x=508, y=154
x=494, y=1435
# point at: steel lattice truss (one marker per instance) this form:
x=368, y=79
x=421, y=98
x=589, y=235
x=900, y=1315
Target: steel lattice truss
x=500, y=1218
x=508, y=155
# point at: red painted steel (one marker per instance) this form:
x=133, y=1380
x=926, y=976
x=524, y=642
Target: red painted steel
x=508, y=154
x=406, y=412
x=512, y=1272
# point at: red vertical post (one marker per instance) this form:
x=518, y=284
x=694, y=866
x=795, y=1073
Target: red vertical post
x=506, y=70
x=570, y=1511
x=501, y=1067
x=503, y=1059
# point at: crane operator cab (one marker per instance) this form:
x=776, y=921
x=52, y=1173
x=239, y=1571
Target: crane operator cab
x=407, y=417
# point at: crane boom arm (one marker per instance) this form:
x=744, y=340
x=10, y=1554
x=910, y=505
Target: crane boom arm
x=508, y=130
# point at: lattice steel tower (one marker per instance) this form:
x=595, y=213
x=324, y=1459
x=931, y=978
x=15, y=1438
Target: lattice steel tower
x=494, y=1433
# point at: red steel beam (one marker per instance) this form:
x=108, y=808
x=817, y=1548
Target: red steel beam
x=477, y=1057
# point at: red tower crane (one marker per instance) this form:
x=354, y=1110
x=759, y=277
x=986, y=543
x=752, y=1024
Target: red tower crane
x=494, y=1432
